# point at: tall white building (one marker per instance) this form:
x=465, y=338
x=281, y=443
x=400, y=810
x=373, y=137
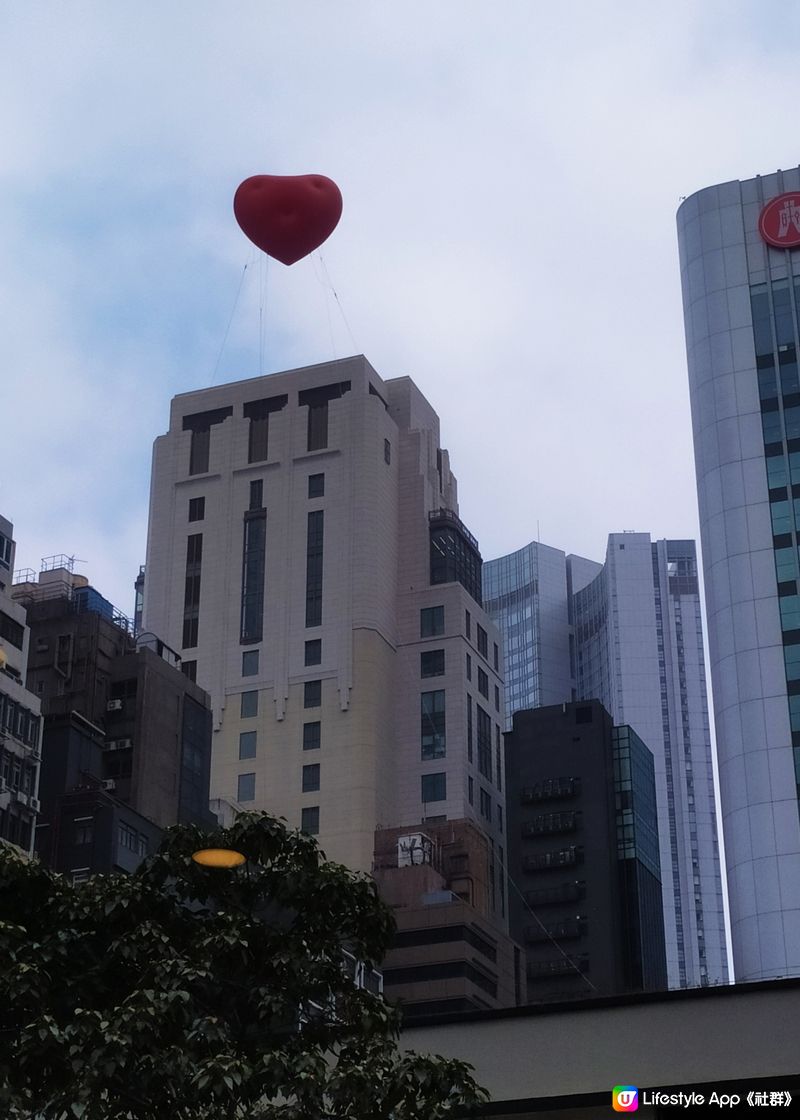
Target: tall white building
x=306, y=557
x=20, y=719
x=629, y=633
x=740, y=271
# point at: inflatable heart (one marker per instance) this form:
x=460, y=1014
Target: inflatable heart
x=288, y=216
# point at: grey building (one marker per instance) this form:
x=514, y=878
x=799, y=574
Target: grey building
x=633, y=640
x=740, y=273
x=306, y=558
x=20, y=719
x=585, y=891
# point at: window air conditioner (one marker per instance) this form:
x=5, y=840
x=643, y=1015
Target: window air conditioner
x=22, y=797
x=35, y=804
x=109, y=783
x=114, y=706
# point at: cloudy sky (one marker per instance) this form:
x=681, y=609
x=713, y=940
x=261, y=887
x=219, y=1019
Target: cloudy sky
x=510, y=174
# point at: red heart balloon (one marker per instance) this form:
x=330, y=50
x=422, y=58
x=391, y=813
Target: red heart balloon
x=288, y=216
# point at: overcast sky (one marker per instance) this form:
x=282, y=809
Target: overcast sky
x=510, y=174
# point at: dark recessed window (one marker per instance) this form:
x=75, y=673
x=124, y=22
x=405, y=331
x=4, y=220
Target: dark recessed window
x=311, y=736
x=434, y=788
x=483, y=641
x=309, y=821
x=314, y=546
x=311, y=778
x=483, y=683
x=316, y=486
x=468, y=625
x=387, y=451
x=469, y=667
x=486, y=804
x=432, y=724
x=471, y=791
x=200, y=425
x=197, y=509
x=496, y=658
x=189, y=669
x=314, y=652
x=256, y=494
x=431, y=622
x=247, y=744
x=249, y=705
x=431, y=663
x=312, y=694
x=496, y=698
x=250, y=663
x=246, y=790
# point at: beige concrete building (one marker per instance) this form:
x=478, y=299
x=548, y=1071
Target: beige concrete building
x=306, y=558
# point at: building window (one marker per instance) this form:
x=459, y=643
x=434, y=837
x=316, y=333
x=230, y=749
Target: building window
x=387, y=452
x=469, y=728
x=313, y=652
x=84, y=831
x=246, y=790
x=496, y=698
x=250, y=663
x=454, y=556
x=468, y=625
x=431, y=622
x=312, y=694
x=258, y=412
x=431, y=663
x=314, y=568
x=483, y=683
x=200, y=425
x=256, y=501
x=432, y=716
x=486, y=805
x=311, y=736
x=469, y=667
x=254, y=551
x=500, y=819
x=316, y=400
x=197, y=509
x=311, y=778
x=434, y=788
x=249, y=705
x=191, y=596
x=309, y=821
x=484, y=743
x=498, y=757
x=79, y=875
x=471, y=791
x=129, y=838
x=247, y=744
x=483, y=641
x=496, y=658
x=316, y=486
x=189, y=669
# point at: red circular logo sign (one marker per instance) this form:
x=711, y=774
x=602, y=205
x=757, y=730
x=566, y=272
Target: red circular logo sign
x=779, y=221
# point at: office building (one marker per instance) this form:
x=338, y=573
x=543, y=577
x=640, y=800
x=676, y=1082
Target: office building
x=447, y=954
x=20, y=720
x=632, y=640
x=740, y=273
x=585, y=888
x=306, y=558
x=124, y=729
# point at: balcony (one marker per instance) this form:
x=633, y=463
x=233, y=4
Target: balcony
x=560, y=857
x=550, y=823
x=551, y=789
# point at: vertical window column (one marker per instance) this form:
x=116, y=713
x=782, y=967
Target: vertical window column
x=200, y=425
x=257, y=412
x=254, y=552
x=314, y=568
x=191, y=597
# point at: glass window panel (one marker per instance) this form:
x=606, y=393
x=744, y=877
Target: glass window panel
x=776, y=471
x=781, y=519
x=247, y=744
x=791, y=419
x=785, y=564
x=247, y=787
x=771, y=427
x=309, y=820
x=790, y=612
x=249, y=705
x=794, y=466
x=434, y=788
x=311, y=778
x=791, y=657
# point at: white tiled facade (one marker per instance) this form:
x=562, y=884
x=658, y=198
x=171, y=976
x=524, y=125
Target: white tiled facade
x=737, y=292
x=20, y=713
x=629, y=633
x=384, y=473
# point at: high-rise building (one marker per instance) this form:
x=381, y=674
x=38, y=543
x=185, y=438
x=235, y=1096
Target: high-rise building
x=306, y=557
x=740, y=272
x=633, y=641
x=20, y=721
x=585, y=887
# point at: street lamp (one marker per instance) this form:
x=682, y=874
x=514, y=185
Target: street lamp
x=219, y=857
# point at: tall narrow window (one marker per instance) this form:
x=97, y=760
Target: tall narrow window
x=200, y=425
x=256, y=494
x=253, y=568
x=316, y=486
x=191, y=595
x=484, y=743
x=313, y=652
x=314, y=568
x=311, y=778
x=316, y=400
x=483, y=641
x=498, y=758
x=197, y=509
x=431, y=622
x=309, y=820
x=432, y=716
x=257, y=412
x=469, y=728
x=311, y=736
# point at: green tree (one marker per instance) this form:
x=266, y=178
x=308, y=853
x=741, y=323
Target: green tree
x=187, y=993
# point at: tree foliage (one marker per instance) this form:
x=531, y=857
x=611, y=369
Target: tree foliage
x=190, y=993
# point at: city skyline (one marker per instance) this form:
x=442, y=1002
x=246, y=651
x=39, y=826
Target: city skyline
x=477, y=188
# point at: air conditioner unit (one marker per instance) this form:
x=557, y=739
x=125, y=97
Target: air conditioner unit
x=22, y=797
x=109, y=783
x=114, y=706
x=35, y=804
x=118, y=744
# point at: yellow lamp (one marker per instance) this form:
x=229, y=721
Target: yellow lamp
x=219, y=857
